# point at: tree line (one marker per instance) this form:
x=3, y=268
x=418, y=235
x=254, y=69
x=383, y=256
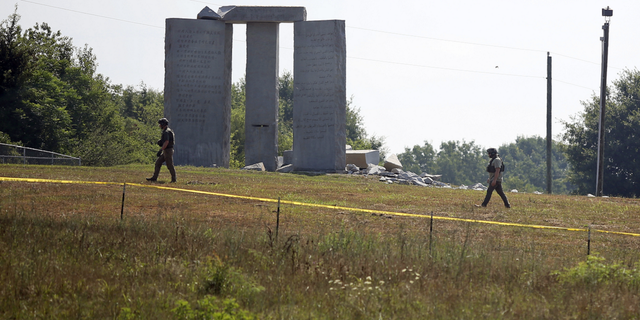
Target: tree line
x=52, y=98
x=574, y=158
x=464, y=163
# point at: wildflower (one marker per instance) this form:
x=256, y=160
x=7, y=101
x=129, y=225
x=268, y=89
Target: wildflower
x=404, y=270
x=411, y=281
x=369, y=278
x=367, y=282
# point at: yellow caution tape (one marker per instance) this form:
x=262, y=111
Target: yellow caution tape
x=296, y=203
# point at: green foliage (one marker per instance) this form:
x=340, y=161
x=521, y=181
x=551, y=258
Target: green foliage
x=526, y=160
x=357, y=136
x=595, y=272
x=458, y=162
x=237, y=124
x=211, y=308
x=461, y=162
x=4, y=138
x=419, y=159
x=465, y=163
x=285, y=113
x=53, y=99
x=622, y=146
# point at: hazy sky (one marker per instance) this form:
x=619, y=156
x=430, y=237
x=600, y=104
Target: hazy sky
x=418, y=70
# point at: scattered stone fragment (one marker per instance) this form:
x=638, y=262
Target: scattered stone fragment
x=431, y=176
x=478, y=186
x=375, y=169
x=352, y=168
x=255, y=167
x=392, y=162
x=285, y=169
x=396, y=170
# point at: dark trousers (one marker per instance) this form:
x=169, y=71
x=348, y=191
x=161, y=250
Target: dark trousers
x=498, y=188
x=166, y=156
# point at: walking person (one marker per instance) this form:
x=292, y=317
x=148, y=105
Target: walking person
x=165, y=154
x=495, y=169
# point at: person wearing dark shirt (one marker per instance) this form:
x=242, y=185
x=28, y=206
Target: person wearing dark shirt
x=495, y=169
x=165, y=155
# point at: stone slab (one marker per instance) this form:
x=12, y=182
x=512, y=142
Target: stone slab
x=362, y=158
x=261, y=104
x=244, y=14
x=319, y=105
x=255, y=167
x=392, y=162
x=197, y=86
x=285, y=169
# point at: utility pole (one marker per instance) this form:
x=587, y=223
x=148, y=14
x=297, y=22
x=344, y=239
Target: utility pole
x=606, y=13
x=549, y=177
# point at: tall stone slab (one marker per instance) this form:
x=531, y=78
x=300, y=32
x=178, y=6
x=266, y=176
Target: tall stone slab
x=197, y=100
x=319, y=98
x=261, y=104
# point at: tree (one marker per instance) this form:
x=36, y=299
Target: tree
x=461, y=162
x=357, y=136
x=622, y=143
x=419, y=159
x=52, y=98
x=526, y=165
x=237, y=124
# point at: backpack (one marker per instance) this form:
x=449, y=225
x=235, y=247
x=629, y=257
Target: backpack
x=491, y=168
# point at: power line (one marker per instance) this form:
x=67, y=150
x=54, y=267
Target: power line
x=473, y=43
x=572, y=84
x=359, y=28
x=445, y=68
x=446, y=40
x=92, y=14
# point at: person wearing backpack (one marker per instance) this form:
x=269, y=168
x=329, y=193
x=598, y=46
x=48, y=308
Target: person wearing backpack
x=495, y=169
x=165, y=155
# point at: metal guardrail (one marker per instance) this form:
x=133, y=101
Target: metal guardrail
x=10, y=153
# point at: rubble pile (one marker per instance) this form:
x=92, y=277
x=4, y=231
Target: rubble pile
x=392, y=172
x=397, y=175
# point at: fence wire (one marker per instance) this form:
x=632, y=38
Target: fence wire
x=10, y=153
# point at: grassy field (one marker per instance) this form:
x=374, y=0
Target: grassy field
x=66, y=253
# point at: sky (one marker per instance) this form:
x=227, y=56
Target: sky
x=434, y=71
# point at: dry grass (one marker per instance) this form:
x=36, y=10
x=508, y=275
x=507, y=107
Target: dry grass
x=65, y=253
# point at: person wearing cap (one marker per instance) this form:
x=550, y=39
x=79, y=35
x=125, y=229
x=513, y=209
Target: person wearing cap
x=166, y=152
x=495, y=169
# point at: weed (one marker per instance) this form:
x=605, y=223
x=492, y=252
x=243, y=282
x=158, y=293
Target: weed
x=211, y=308
x=595, y=272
